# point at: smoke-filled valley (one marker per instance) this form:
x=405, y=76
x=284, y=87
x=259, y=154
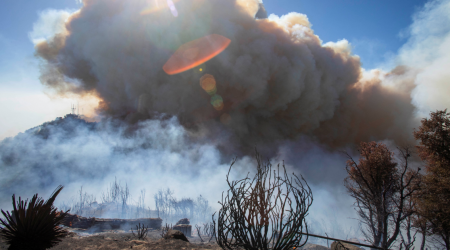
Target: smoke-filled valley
x=151, y=156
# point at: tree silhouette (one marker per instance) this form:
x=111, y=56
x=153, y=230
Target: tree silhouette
x=433, y=201
x=381, y=190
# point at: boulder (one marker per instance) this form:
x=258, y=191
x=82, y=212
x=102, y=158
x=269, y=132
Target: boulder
x=185, y=229
x=354, y=240
x=184, y=221
x=339, y=245
x=309, y=246
x=175, y=234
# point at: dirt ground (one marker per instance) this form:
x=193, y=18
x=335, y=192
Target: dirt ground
x=79, y=239
x=119, y=239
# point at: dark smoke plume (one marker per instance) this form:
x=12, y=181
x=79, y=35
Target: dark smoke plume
x=262, y=13
x=277, y=80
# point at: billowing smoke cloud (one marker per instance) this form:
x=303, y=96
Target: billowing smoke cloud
x=277, y=80
x=428, y=52
x=50, y=22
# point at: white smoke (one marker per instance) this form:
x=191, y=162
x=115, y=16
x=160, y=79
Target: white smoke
x=428, y=52
x=50, y=23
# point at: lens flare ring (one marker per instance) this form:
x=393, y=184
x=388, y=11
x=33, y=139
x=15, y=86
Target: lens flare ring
x=195, y=53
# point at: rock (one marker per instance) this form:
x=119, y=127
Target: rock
x=175, y=234
x=344, y=246
x=309, y=246
x=184, y=221
x=185, y=229
x=354, y=240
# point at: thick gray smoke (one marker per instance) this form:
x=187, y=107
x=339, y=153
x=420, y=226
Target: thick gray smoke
x=277, y=80
x=262, y=13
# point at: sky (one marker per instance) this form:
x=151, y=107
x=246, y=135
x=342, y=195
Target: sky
x=310, y=80
x=23, y=99
x=375, y=29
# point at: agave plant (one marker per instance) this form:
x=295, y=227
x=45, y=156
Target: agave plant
x=35, y=226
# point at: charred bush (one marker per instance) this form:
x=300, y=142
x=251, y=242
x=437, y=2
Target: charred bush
x=269, y=200
x=209, y=230
x=165, y=229
x=141, y=232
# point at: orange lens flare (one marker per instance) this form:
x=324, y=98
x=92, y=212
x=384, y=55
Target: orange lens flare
x=194, y=53
x=208, y=83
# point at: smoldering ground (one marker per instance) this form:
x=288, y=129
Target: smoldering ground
x=283, y=89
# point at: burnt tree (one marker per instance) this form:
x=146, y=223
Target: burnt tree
x=381, y=190
x=268, y=200
x=413, y=222
x=433, y=202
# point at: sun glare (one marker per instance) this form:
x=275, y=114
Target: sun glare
x=158, y=5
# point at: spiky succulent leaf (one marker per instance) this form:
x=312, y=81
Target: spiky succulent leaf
x=34, y=226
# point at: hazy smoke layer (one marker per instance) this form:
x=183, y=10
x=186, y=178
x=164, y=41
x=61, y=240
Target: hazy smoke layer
x=155, y=154
x=276, y=78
